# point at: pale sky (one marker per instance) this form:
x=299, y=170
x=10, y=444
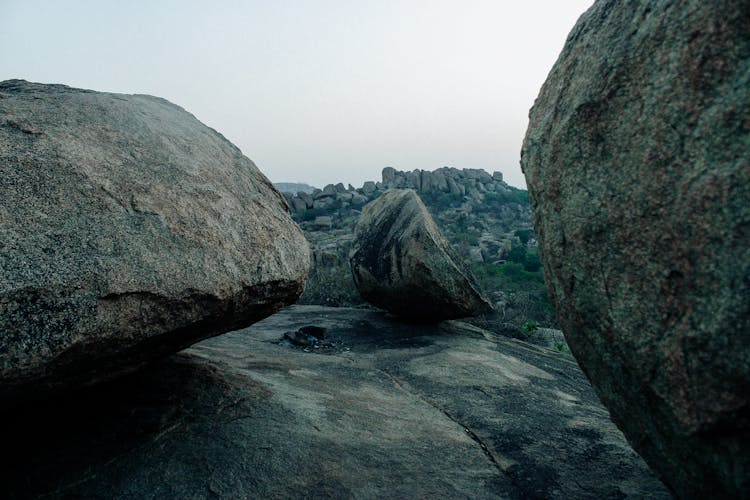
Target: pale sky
x=316, y=91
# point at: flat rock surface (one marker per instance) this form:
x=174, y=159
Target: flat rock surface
x=389, y=410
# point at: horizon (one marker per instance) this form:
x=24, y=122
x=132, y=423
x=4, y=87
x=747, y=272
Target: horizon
x=319, y=94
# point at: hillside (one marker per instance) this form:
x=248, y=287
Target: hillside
x=294, y=187
x=486, y=220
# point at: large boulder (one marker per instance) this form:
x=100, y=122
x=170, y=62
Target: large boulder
x=401, y=262
x=637, y=159
x=128, y=230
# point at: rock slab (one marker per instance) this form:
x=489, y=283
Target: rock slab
x=637, y=159
x=391, y=411
x=128, y=230
x=401, y=262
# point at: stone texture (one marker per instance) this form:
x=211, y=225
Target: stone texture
x=298, y=205
x=128, y=230
x=323, y=222
x=401, y=262
x=637, y=159
x=426, y=181
x=453, y=187
x=392, y=410
x=306, y=198
x=389, y=176
x=358, y=199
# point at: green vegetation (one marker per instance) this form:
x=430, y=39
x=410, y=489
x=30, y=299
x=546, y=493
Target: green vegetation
x=562, y=347
x=511, y=276
x=530, y=327
x=513, y=195
x=498, y=225
x=438, y=202
x=311, y=213
x=524, y=235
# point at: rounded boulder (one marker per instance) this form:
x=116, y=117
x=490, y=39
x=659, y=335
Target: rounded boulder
x=128, y=230
x=401, y=262
x=637, y=160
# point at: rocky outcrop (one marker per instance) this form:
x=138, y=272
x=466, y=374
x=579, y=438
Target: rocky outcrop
x=401, y=262
x=389, y=410
x=468, y=182
x=129, y=230
x=636, y=159
x=491, y=231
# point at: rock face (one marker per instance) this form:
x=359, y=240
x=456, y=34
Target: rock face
x=401, y=262
x=391, y=410
x=637, y=159
x=128, y=230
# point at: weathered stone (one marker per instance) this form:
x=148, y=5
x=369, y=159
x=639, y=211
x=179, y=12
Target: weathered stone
x=368, y=187
x=400, y=181
x=287, y=197
x=298, y=205
x=413, y=180
x=476, y=174
x=323, y=202
x=129, y=231
x=401, y=262
x=498, y=176
x=426, y=181
x=320, y=195
x=453, y=186
x=389, y=410
x=474, y=194
x=339, y=188
x=637, y=161
x=358, y=199
x=439, y=182
x=306, y=197
x=389, y=176
x=323, y=222
x=475, y=254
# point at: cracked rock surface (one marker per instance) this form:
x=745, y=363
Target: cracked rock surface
x=392, y=410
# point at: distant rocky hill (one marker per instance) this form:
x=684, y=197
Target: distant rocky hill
x=486, y=220
x=294, y=187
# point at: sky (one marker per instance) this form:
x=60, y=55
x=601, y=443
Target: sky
x=316, y=91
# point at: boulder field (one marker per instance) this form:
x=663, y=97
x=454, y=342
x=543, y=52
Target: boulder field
x=401, y=262
x=637, y=159
x=128, y=230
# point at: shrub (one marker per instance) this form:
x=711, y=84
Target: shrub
x=524, y=235
x=530, y=327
